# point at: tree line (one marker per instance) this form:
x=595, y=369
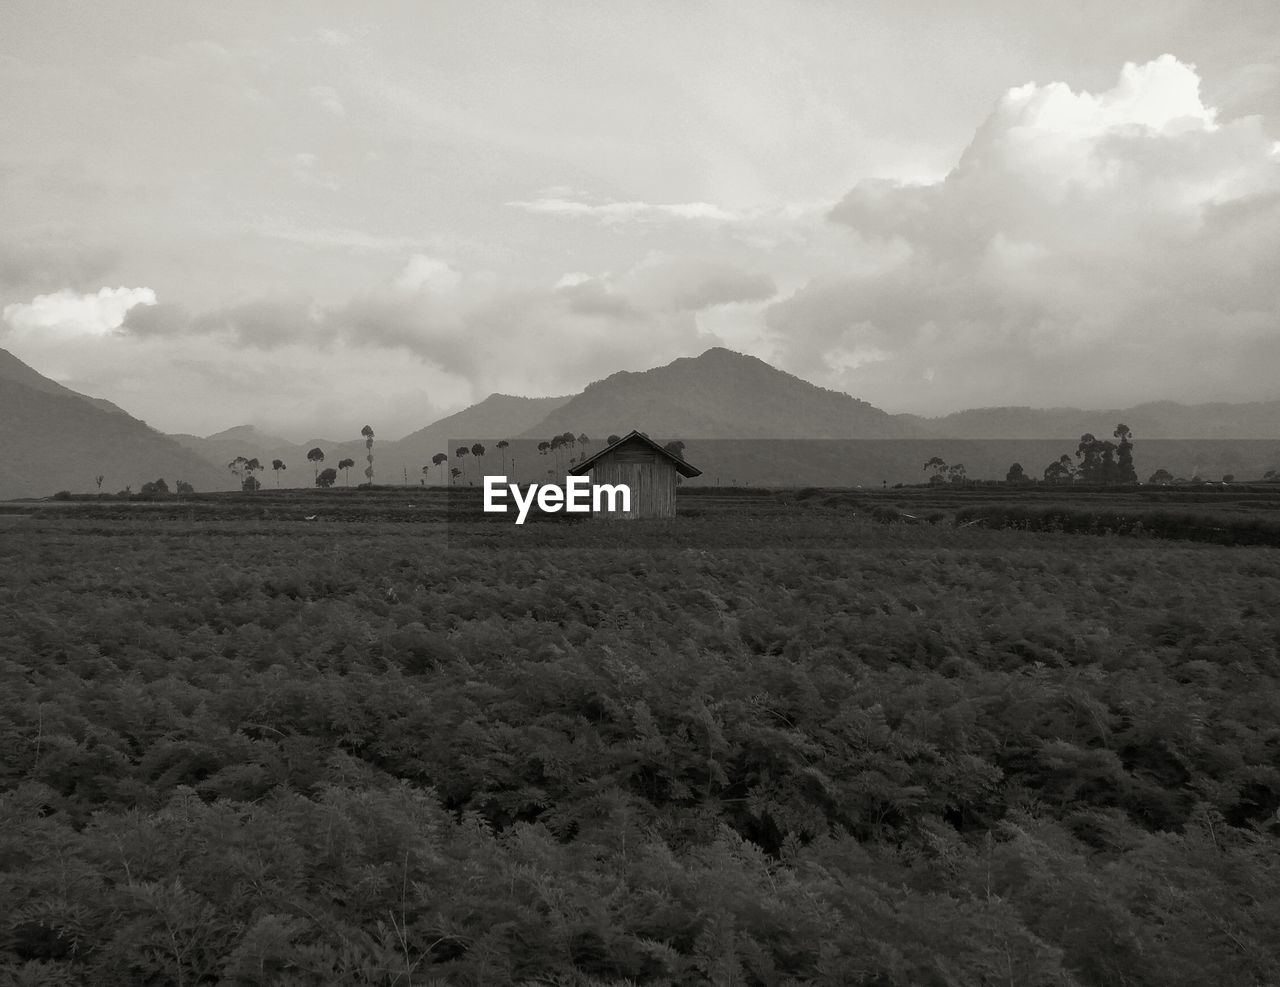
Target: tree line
x=1096, y=461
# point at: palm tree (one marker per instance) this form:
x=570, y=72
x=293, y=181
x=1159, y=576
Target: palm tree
x=316, y=457
x=503, y=445
x=367, y=432
x=439, y=459
x=345, y=465
x=477, y=450
x=276, y=466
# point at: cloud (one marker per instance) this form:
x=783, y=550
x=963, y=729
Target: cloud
x=327, y=98
x=423, y=272
x=1086, y=249
x=624, y=212
x=304, y=166
x=491, y=332
x=69, y=313
x=337, y=238
x=665, y=282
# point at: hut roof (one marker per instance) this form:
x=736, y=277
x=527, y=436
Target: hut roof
x=683, y=468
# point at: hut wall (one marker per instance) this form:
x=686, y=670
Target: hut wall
x=652, y=479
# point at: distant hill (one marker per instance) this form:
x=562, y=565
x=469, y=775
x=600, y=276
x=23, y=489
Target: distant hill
x=499, y=416
x=53, y=438
x=719, y=395
x=1155, y=420
x=15, y=371
x=242, y=440
x=222, y=447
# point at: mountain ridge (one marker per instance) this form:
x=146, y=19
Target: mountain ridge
x=719, y=394
x=53, y=438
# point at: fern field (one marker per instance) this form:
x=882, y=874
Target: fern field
x=253, y=751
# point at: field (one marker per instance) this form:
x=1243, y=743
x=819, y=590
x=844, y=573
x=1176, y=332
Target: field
x=783, y=739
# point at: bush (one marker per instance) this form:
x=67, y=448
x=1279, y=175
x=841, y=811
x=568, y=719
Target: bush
x=1155, y=524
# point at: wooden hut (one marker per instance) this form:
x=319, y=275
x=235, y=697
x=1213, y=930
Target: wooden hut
x=644, y=466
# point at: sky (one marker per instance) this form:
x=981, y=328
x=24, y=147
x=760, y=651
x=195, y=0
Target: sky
x=309, y=216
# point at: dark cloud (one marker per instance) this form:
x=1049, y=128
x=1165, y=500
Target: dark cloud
x=164, y=319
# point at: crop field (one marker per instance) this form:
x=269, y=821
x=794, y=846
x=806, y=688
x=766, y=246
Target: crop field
x=779, y=740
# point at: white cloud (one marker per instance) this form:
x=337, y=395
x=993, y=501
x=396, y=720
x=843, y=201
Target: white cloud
x=305, y=167
x=427, y=273
x=70, y=313
x=622, y=212
x=327, y=98
x=1086, y=249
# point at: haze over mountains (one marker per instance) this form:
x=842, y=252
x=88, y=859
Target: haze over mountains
x=1154, y=420
x=53, y=438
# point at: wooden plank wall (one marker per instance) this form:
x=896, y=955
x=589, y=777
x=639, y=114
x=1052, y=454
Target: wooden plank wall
x=652, y=479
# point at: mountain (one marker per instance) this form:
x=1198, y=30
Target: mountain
x=499, y=416
x=15, y=371
x=53, y=438
x=241, y=440
x=1154, y=420
x=496, y=417
x=719, y=395
x=222, y=447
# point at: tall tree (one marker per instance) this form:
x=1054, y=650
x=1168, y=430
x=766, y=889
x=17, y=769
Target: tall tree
x=237, y=467
x=439, y=459
x=1125, y=472
x=367, y=432
x=252, y=466
x=503, y=445
x=345, y=465
x=315, y=457
x=276, y=466
x=1060, y=470
x=1097, y=459
x=461, y=453
x=1016, y=474
x=326, y=477
x=477, y=451
x=939, y=467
